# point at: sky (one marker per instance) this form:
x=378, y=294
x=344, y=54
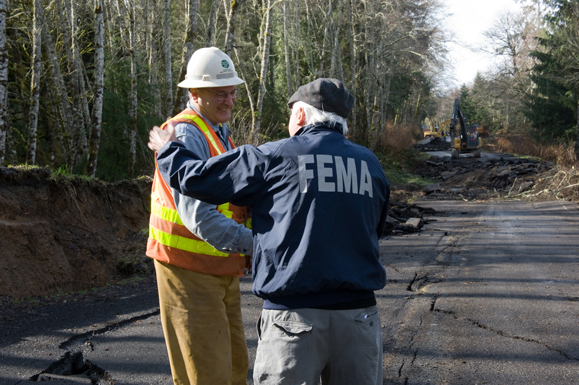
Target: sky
x=469, y=19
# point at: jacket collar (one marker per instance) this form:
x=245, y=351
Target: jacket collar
x=322, y=126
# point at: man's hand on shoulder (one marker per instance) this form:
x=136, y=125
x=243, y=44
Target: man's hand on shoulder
x=158, y=137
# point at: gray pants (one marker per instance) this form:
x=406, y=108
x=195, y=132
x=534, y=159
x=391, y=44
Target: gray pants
x=342, y=347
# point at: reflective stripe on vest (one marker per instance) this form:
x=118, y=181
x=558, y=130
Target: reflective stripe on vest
x=178, y=241
x=184, y=243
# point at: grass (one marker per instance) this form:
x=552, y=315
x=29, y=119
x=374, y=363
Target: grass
x=396, y=168
x=63, y=172
x=562, y=154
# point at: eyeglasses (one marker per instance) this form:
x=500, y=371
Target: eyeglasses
x=221, y=96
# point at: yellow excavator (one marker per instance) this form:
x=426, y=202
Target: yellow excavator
x=438, y=131
x=462, y=140
x=432, y=133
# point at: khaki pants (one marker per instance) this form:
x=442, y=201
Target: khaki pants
x=304, y=346
x=201, y=318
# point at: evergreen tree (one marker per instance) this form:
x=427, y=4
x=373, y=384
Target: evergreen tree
x=552, y=105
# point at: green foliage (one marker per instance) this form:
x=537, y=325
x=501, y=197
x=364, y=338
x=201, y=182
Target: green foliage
x=551, y=105
x=114, y=155
x=466, y=105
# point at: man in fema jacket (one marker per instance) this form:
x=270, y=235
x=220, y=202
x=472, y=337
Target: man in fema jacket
x=319, y=204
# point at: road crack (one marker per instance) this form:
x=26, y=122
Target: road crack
x=107, y=328
x=505, y=334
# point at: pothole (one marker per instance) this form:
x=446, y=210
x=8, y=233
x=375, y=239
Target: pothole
x=74, y=368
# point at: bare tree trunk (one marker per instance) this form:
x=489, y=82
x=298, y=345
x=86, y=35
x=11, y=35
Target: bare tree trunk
x=3, y=81
x=388, y=85
x=230, y=35
x=311, y=55
x=97, y=110
x=322, y=52
x=211, y=24
x=336, y=55
x=60, y=94
x=35, y=84
x=78, y=72
x=57, y=142
x=148, y=19
x=78, y=124
x=271, y=81
x=231, y=45
x=296, y=42
x=120, y=20
x=247, y=89
x=264, y=66
x=369, y=52
x=168, y=60
x=351, y=34
x=181, y=94
x=577, y=143
x=152, y=63
x=109, y=28
x=134, y=100
x=288, y=68
x=378, y=93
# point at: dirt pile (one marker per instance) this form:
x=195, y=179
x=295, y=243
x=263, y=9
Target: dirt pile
x=435, y=144
x=469, y=178
x=406, y=218
x=61, y=234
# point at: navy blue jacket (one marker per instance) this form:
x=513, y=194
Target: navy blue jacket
x=319, y=204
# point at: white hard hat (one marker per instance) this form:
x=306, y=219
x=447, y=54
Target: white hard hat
x=210, y=67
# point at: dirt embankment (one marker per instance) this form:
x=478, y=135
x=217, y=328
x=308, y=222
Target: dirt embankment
x=62, y=234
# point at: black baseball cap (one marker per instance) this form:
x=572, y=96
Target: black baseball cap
x=325, y=94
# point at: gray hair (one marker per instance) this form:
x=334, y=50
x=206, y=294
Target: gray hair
x=313, y=115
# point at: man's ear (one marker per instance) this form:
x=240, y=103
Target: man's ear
x=193, y=93
x=300, y=117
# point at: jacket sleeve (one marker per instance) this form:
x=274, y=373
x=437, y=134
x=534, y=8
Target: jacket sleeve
x=202, y=218
x=236, y=176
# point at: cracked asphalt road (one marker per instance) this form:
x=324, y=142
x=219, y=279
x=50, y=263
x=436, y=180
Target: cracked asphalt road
x=489, y=294
x=486, y=294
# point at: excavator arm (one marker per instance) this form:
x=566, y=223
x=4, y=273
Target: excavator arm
x=462, y=140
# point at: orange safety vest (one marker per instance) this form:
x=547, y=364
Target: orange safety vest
x=169, y=240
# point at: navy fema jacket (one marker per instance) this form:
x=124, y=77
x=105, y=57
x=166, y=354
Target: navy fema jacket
x=319, y=204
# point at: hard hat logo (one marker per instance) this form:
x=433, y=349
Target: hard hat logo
x=210, y=67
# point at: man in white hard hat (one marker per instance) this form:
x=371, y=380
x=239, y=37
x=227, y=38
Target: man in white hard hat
x=200, y=250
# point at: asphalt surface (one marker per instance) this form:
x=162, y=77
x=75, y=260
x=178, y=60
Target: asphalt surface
x=486, y=294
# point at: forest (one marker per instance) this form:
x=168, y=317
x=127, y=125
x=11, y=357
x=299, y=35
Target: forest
x=82, y=82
